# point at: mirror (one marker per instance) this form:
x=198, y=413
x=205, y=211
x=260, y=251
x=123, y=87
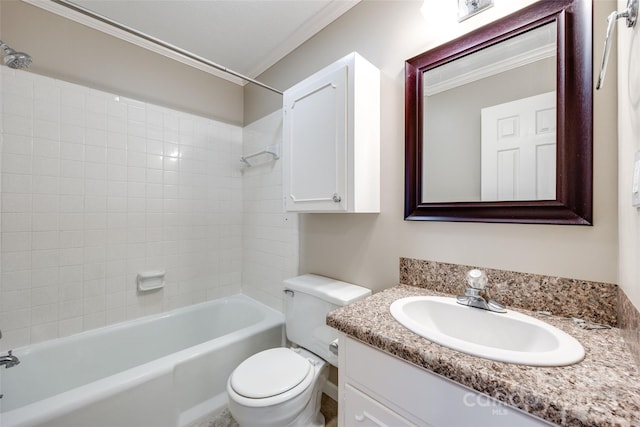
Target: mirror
x=499, y=122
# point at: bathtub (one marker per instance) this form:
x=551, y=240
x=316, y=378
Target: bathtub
x=162, y=370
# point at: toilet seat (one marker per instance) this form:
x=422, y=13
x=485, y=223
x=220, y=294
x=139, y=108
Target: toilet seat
x=271, y=377
x=269, y=373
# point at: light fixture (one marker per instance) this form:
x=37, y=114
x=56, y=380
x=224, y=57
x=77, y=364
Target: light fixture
x=468, y=8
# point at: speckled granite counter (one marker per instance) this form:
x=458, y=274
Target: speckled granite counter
x=602, y=390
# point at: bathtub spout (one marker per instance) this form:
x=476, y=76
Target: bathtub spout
x=9, y=360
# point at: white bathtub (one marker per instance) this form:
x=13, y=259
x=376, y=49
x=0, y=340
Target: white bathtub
x=163, y=370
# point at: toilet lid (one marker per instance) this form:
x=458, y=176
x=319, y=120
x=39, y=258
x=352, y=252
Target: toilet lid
x=269, y=373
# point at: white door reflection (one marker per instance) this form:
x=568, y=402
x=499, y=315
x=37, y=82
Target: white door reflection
x=518, y=149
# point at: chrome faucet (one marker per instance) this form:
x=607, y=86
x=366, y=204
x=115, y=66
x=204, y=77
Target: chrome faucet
x=477, y=281
x=9, y=360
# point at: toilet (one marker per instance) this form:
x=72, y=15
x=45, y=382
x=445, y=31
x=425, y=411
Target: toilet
x=282, y=387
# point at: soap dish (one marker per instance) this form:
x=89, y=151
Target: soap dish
x=150, y=280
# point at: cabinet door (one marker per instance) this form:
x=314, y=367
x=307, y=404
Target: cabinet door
x=419, y=396
x=315, y=143
x=362, y=411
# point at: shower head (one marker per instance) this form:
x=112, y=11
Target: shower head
x=13, y=59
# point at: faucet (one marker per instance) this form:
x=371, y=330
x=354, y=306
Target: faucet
x=9, y=360
x=472, y=297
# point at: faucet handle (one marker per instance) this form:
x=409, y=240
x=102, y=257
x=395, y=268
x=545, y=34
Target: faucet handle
x=477, y=279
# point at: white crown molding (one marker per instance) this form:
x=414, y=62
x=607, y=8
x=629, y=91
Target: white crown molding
x=479, y=73
x=304, y=32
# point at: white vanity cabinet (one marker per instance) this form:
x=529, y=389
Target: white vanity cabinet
x=331, y=139
x=377, y=389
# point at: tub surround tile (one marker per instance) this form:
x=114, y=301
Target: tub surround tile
x=602, y=390
x=84, y=186
x=629, y=322
x=594, y=301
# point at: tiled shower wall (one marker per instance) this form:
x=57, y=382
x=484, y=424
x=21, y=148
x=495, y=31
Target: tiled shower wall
x=96, y=188
x=270, y=238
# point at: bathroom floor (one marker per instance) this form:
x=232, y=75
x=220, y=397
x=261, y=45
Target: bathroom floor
x=329, y=409
x=224, y=419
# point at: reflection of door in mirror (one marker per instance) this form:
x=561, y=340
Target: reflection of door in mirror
x=455, y=94
x=518, y=149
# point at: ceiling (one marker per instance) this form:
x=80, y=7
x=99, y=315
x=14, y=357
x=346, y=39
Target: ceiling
x=246, y=36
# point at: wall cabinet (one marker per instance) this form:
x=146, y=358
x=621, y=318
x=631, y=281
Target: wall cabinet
x=331, y=139
x=377, y=389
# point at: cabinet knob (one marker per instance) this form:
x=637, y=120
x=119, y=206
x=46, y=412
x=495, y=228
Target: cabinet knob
x=333, y=347
x=337, y=198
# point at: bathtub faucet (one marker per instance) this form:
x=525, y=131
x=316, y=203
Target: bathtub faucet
x=9, y=360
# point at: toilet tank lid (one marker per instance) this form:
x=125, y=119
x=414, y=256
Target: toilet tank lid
x=327, y=289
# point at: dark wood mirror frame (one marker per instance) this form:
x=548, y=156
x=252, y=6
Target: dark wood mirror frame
x=574, y=157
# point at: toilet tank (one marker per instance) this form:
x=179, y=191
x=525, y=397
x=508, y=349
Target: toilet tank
x=308, y=300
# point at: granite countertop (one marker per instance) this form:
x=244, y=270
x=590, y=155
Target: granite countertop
x=602, y=390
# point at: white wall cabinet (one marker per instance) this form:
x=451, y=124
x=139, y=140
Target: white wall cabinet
x=377, y=390
x=331, y=139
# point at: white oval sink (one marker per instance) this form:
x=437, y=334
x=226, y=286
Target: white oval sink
x=510, y=337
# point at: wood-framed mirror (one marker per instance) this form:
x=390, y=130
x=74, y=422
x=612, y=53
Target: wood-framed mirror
x=553, y=35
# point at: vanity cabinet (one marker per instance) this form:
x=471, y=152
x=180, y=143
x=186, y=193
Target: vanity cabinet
x=331, y=139
x=377, y=389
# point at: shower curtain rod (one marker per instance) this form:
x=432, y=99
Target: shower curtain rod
x=147, y=37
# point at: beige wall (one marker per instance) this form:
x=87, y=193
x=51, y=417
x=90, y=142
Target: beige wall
x=364, y=248
x=628, y=144
x=69, y=51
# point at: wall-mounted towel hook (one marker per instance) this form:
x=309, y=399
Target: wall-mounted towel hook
x=631, y=13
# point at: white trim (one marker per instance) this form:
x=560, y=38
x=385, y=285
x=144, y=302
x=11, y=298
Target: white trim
x=507, y=64
x=329, y=13
x=331, y=390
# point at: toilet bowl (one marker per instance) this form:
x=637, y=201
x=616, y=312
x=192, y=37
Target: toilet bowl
x=278, y=387
x=282, y=387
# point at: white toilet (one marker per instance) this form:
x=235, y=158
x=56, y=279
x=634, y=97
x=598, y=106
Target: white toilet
x=282, y=387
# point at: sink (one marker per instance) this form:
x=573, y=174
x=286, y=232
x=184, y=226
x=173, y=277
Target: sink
x=510, y=337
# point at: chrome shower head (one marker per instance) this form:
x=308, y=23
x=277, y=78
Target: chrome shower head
x=13, y=59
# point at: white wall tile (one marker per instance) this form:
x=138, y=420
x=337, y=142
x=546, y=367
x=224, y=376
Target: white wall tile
x=71, y=150
x=15, y=299
x=95, y=137
x=16, y=280
x=270, y=236
x=17, y=203
x=16, y=319
x=68, y=327
x=44, y=331
x=17, y=144
x=45, y=277
x=16, y=163
x=46, y=239
x=15, y=183
x=72, y=134
x=47, y=109
x=46, y=130
x=17, y=125
x=15, y=222
x=45, y=184
x=46, y=166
